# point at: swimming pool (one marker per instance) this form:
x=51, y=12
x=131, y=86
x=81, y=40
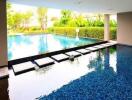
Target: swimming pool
x=21, y=46
x=100, y=75
x=108, y=76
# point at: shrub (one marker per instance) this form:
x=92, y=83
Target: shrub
x=93, y=32
x=113, y=33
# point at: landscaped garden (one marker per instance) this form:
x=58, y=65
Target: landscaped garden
x=66, y=24
x=69, y=21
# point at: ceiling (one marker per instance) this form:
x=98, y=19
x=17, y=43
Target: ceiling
x=91, y=6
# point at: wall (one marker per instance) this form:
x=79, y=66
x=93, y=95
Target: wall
x=124, y=32
x=3, y=34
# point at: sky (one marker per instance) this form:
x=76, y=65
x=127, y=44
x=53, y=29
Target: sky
x=23, y=8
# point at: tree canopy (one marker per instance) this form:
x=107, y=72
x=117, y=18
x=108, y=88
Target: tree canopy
x=21, y=21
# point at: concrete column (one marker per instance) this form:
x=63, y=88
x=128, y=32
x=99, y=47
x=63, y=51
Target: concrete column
x=3, y=34
x=106, y=27
x=124, y=31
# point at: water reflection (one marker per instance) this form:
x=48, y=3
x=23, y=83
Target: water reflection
x=101, y=61
x=104, y=82
x=28, y=45
x=97, y=62
x=43, y=46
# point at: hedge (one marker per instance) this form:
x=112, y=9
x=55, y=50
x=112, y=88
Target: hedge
x=93, y=32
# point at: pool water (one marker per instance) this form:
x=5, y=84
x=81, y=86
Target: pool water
x=104, y=75
x=21, y=46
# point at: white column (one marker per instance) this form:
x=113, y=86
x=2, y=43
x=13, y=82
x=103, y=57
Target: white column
x=3, y=34
x=106, y=27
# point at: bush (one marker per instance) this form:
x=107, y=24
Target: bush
x=69, y=31
x=34, y=28
x=113, y=33
x=93, y=32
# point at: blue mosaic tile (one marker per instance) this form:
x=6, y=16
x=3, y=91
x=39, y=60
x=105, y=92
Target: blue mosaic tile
x=103, y=84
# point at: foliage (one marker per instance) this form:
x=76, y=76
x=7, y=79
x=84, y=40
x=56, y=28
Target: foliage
x=80, y=21
x=8, y=6
x=93, y=32
x=26, y=19
x=65, y=18
x=113, y=33
x=42, y=17
x=66, y=25
x=113, y=23
x=17, y=20
x=95, y=23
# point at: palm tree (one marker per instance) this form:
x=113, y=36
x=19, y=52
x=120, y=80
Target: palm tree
x=42, y=17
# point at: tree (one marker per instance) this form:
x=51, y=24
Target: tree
x=26, y=19
x=9, y=21
x=42, y=17
x=80, y=21
x=16, y=20
x=66, y=16
x=99, y=17
x=8, y=6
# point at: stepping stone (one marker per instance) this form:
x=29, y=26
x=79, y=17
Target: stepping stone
x=83, y=51
x=42, y=62
x=73, y=53
x=108, y=44
x=4, y=72
x=91, y=48
x=23, y=67
x=99, y=46
x=111, y=43
x=60, y=57
x=105, y=45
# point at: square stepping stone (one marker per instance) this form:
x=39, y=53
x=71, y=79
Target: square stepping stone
x=105, y=45
x=4, y=72
x=99, y=46
x=83, y=51
x=23, y=67
x=73, y=53
x=110, y=43
x=91, y=48
x=60, y=57
x=42, y=62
